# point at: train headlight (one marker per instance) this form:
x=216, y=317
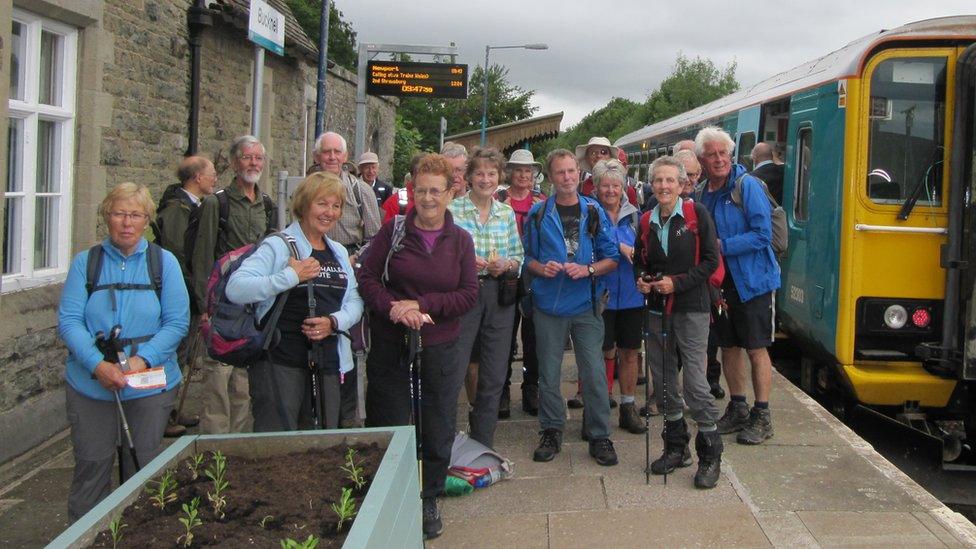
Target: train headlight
x=895, y=317
x=921, y=317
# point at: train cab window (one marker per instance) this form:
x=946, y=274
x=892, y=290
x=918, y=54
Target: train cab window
x=744, y=151
x=801, y=194
x=906, y=123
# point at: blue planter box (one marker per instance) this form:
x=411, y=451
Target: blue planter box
x=390, y=515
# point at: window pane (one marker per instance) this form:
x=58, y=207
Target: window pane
x=747, y=142
x=11, y=236
x=906, y=118
x=49, y=86
x=45, y=231
x=801, y=198
x=47, y=157
x=15, y=155
x=17, y=57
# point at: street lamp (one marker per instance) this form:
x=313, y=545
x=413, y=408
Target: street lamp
x=484, y=106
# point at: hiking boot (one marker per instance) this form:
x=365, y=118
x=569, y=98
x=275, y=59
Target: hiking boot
x=735, y=418
x=432, y=519
x=613, y=403
x=649, y=410
x=758, y=429
x=549, y=444
x=505, y=404
x=709, y=448
x=717, y=391
x=576, y=402
x=671, y=459
x=174, y=430
x=630, y=419
x=530, y=399
x=602, y=451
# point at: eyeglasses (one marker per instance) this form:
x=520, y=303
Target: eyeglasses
x=250, y=157
x=134, y=216
x=435, y=193
x=602, y=152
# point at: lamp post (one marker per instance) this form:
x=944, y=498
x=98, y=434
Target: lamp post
x=484, y=105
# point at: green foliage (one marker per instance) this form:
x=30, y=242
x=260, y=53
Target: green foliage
x=406, y=143
x=216, y=472
x=353, y=469
x=692, y=83
x=310, y=543
x=115, y=528
x=345, y=509
x=342, y=37
x=190, y=521
x=164, y=490
x=193, y=464
x=506, y=103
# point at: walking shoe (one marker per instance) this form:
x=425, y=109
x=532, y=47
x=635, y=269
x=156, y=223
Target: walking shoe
x=174, y=430
x=549, y=444
x=671, y=458
x=432, y=519
x=709, y=448
x=613, y=403
x=735, y=418
x=505, y=404
x=576, y=402
x=530, y=399
x=630, y=419
x=758, y=429
x=602, y=451
x=649, y=410
x=717, y=391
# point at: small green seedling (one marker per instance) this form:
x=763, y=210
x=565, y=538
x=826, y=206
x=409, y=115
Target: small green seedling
x=164, y=490
x=311, y=543
x=193, y=464
x=345, y=509
x=217, y=472
x=353, y=469
x=115, y=528
x=190, y=521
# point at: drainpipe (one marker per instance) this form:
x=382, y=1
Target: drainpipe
x=197, y=19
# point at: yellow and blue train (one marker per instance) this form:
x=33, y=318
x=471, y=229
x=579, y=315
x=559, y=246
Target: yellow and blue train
x=879, y=189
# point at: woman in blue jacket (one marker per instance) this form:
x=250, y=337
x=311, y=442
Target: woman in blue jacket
x=622, y=317
x=151, y=306
x=279, y=384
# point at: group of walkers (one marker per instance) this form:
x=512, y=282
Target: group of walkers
x=459, y=273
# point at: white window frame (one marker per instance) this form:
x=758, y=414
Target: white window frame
x=23, y=274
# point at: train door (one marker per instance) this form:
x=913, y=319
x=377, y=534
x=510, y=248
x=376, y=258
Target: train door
x=894, y=225
x=747, y=128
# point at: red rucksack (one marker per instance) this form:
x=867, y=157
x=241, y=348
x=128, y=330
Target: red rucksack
x=691, y=222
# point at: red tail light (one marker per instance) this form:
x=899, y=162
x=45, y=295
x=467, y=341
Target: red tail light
x=921, y=317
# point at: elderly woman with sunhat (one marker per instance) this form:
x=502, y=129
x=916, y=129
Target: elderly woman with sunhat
x=588, y=154
x=130, y=291
x=521, y=195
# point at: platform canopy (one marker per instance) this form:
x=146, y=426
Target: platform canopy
x=513, y=135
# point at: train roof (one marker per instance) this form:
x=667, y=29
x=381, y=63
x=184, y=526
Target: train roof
x=843, y=63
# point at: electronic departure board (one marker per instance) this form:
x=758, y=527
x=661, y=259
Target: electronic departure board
x=410, y=79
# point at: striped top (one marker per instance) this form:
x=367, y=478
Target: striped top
x=500, y=233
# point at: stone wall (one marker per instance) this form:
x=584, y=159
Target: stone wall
x=131, y=125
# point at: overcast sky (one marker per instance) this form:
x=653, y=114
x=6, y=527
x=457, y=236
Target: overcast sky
x=624, y=48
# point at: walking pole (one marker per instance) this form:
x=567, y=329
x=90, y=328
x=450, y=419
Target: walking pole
x=647, y=389
x=114, y=344
x=416, y=348
x=665, y=359
x=193, y=348
x=313, y=366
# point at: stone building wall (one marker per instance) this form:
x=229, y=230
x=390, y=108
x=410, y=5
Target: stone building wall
x=131, y=125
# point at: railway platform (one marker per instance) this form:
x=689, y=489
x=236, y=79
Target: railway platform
x=814, y=484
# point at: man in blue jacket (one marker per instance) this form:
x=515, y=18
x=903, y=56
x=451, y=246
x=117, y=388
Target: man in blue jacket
x=568, y=247
x=752, y=277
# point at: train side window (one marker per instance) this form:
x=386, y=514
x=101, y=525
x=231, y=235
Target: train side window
x=744, y=151
x=906, y=121
x=801, y=195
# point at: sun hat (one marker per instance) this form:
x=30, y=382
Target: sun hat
x=594, y=141
x=368, y=158
x=523, y=157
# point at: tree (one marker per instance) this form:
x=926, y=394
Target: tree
x=342, y=37
x=406, y=143
x=506, y=103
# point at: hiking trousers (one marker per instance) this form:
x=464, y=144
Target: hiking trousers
x=225, y=399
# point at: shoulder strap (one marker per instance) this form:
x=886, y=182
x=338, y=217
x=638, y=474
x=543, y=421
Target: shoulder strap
x=223, y=209
x=592, y=220
x=644, y=228
x=691, y=221
x=271, y=320
x=154, y=264
x=95, y=256
x=396, y=243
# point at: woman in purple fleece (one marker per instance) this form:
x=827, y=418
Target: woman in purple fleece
x=430, y=282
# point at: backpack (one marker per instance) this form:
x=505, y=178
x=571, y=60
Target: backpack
x=233, y=333
x=154, y=264
x=223, y=214
x=781, y=233
x=359, y=332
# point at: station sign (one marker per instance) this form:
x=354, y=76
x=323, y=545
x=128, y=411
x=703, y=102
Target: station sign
x=412, y=79
x=266, y=27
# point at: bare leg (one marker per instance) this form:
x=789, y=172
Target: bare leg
x=734, y=370
x=471, y=382
x=627, y=371
x=762, y=374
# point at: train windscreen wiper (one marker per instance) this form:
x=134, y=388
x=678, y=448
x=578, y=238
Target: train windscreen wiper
x=909, y=205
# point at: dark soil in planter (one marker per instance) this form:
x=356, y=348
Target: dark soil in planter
x=295, y=490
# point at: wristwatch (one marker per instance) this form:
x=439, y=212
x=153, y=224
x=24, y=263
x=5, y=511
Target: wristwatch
x=591, y=269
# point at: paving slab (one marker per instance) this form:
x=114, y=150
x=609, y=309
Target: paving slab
x=868, y=529
x=720, y=526
x=785, y=529
x=938, y=530
x=523, y=531
x=521, y=457
x=529, y=495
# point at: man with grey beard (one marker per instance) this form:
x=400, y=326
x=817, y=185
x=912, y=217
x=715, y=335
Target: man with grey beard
x=234, y=216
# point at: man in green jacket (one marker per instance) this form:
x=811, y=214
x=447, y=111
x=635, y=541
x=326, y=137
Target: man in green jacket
x=197, y=180
x=234, y=216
